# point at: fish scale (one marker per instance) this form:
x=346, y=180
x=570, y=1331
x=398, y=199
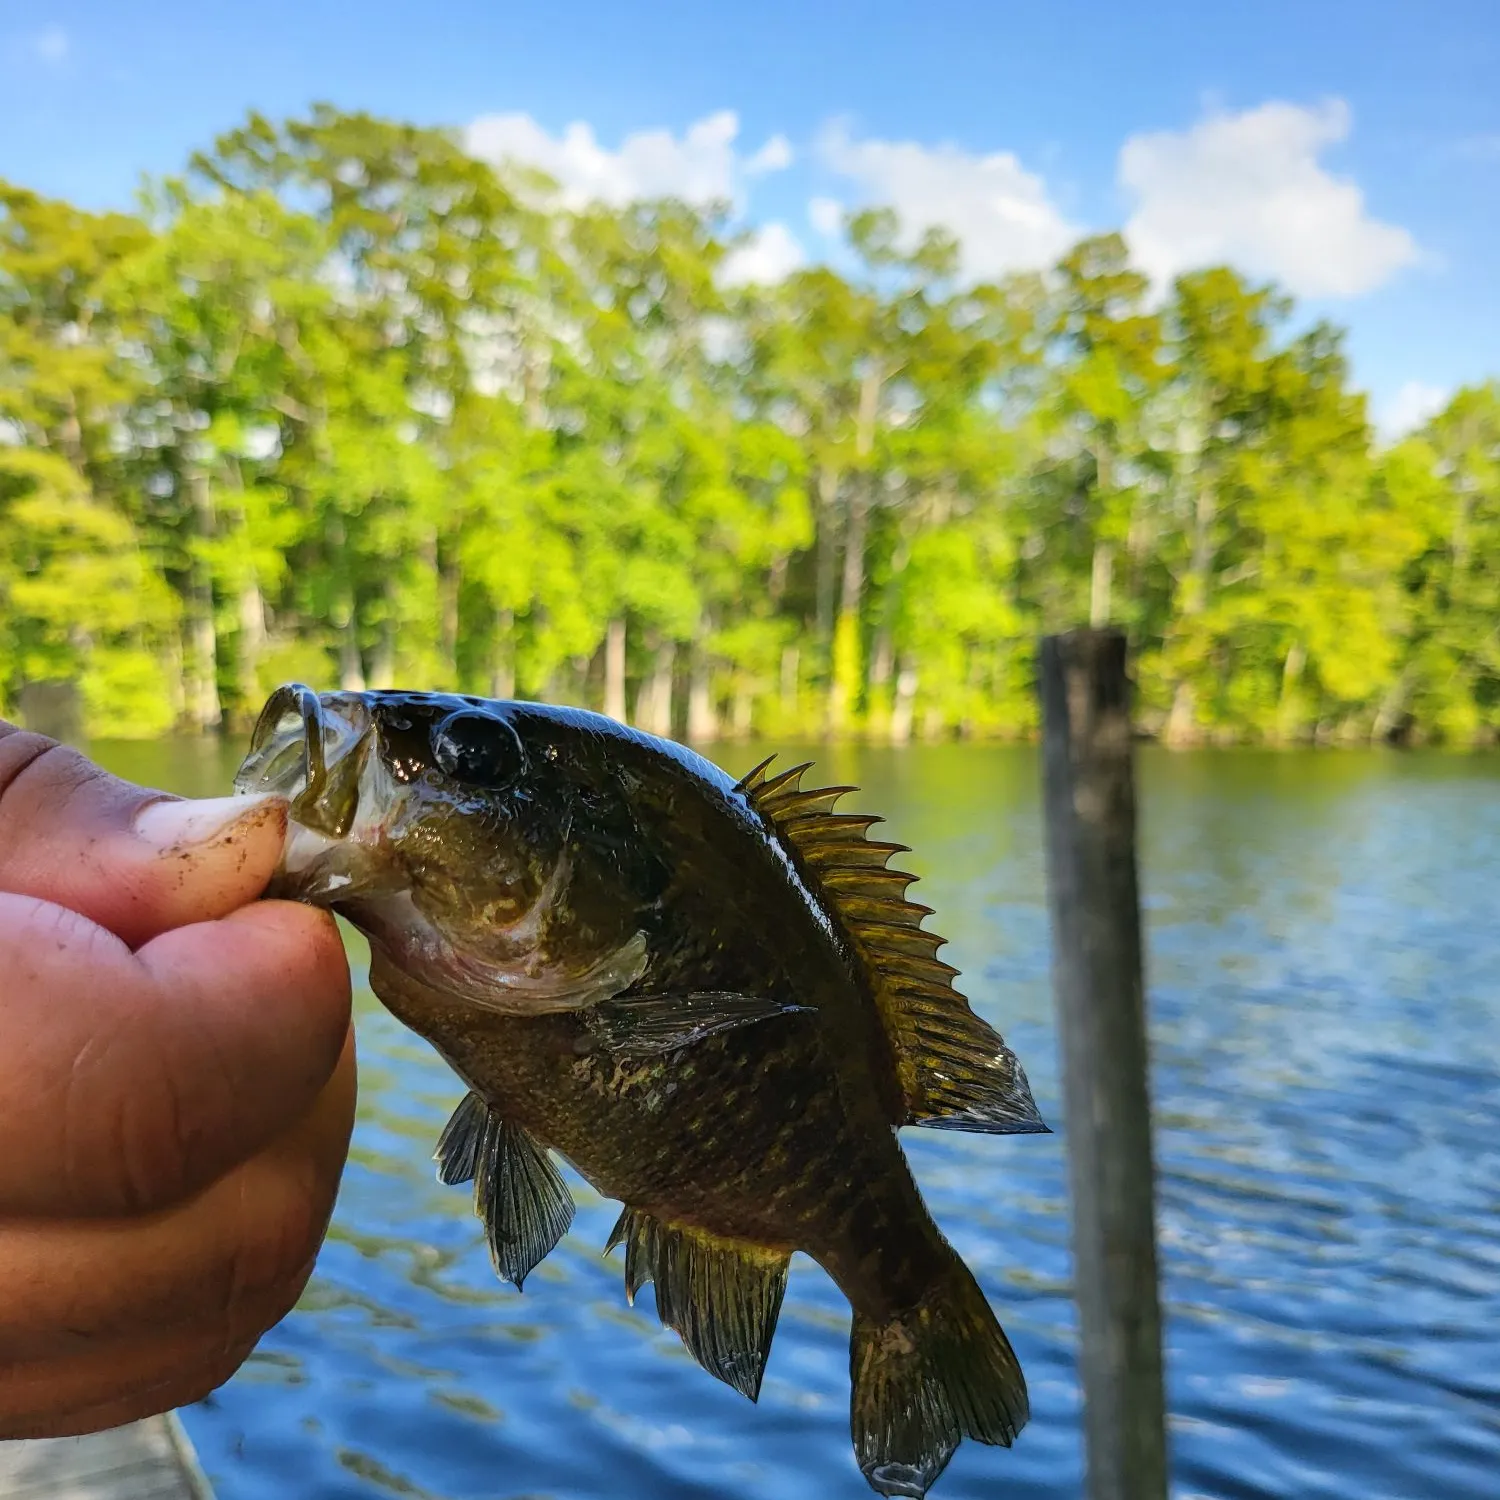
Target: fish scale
x=710, y=996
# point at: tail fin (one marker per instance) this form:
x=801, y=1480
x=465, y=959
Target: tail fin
x=928, y=1378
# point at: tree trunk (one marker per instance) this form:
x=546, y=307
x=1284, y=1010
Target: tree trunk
x=1392, y=710
x=70, y=436
x=906, y=701
x=1286, y=707
x=653, y=704
x=828, y=494
x=776, y=582
x=1102, y=575
x=351, y=668
x=176, y=677
x=1181, y=727
x=250, y=636
x=1100, y=582
x=967, y=726
x=880, y=660
x=1182, y=720
x=383, y=657
x=740, y=723
x=614, y=669
x=848, y=666
x=450, y=581
x=201, y=641
x=703, y=723
x=1137, y=546
x=791, y=665
x=844, y=682
x=503, y=656
x=252, y=643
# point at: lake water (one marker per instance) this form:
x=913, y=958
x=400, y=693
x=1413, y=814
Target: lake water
x=1325, y=1019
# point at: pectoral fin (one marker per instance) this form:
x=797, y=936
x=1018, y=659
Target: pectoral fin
x=722, y=1296
x=457, y=1153
x=645, y=1025
x=519, y=1195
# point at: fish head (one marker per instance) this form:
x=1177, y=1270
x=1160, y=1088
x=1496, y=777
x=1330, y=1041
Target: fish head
x=444, y=801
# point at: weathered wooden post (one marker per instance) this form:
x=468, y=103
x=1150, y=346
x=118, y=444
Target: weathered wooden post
x=1089, y=802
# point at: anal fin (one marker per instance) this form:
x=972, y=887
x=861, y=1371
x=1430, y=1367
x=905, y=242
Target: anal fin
x=722, y=1296
x=519, y=1196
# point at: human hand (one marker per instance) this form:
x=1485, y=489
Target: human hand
x=176, y=1091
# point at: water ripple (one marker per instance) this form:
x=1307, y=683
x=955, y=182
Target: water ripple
x=1326, y=1041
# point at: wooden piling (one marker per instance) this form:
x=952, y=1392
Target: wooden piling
x=1089, y=802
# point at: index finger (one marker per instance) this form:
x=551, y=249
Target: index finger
x=131, y=859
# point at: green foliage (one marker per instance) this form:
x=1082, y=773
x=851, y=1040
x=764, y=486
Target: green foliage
x=345, y=404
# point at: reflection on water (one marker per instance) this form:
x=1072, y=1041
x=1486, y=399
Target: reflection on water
x=1326, y=1030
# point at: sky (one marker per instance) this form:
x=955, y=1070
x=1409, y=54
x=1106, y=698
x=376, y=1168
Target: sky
x=1348, y=151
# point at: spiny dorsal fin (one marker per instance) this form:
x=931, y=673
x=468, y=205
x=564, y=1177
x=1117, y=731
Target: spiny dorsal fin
x=955, y=1071
x=722, y=1296
x=519, y=1195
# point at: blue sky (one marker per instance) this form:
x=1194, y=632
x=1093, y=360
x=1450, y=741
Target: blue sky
x=1350, y=151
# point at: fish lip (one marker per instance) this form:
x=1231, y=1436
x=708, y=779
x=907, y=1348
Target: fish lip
x=318, y=751
x=335, y=734
x=263, y=769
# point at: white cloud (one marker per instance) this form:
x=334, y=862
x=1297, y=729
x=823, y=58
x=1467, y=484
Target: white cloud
x=1001, y=213
x=1249, y=189
x=52, y=45
x=775, y=156
x=826, y=215
x=700, y=166
x=771, y=253
x=1411, y=407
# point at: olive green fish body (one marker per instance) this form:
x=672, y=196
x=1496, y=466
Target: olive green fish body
x=711, y=997
x=741, y=1135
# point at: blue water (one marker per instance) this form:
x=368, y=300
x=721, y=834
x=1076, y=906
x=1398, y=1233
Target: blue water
x=1325, y=1020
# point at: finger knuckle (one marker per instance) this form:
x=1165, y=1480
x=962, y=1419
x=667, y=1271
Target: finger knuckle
x=41, y=778
x=19, y=750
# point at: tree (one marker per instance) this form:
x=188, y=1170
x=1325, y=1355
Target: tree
x=348, y=405
x=1447, y=478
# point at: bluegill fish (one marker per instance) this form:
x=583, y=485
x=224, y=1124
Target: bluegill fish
x=711, y=996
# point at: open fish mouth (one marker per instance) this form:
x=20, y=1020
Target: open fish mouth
x=315, y=750
x=311, y=750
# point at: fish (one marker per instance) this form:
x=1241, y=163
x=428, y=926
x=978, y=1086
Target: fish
x=709, y=995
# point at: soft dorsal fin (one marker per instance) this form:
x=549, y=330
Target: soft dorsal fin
x=955, y=1071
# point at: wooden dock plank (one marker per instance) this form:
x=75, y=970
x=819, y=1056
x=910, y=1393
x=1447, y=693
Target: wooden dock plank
x=150, y=1460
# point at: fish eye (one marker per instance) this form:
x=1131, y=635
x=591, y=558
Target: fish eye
x=478, y=749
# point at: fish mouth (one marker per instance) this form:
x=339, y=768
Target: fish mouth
x=312, y=751
x=315, y=750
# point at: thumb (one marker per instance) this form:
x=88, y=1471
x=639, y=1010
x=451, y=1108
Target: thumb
x=133, y=860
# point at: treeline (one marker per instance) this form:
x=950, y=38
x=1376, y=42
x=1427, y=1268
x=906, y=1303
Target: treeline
x=344, y=404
